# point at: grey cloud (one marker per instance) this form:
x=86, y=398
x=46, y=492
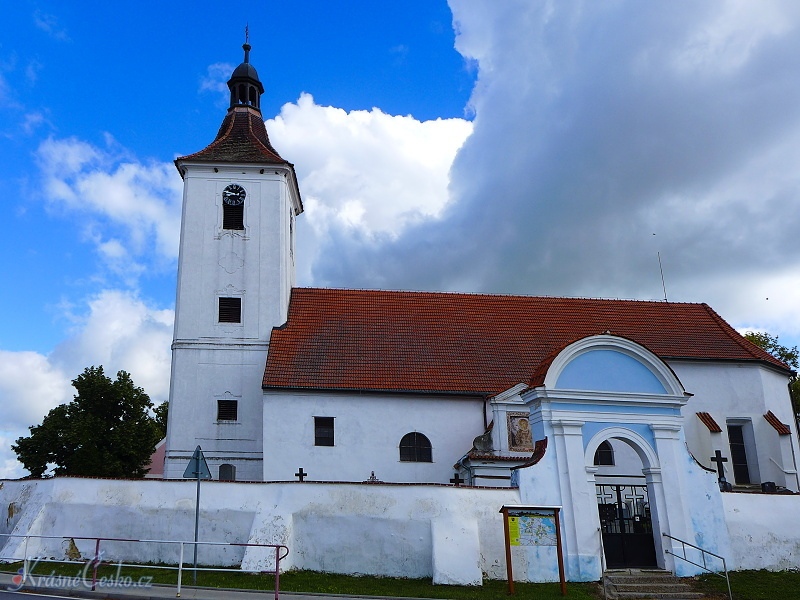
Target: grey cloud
x=596, y=126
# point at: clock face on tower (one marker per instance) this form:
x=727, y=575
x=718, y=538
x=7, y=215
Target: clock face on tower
x=233, y=195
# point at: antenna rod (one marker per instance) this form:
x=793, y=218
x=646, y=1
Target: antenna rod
x=663, y=285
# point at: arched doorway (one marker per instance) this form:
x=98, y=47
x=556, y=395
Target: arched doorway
x=619, y=459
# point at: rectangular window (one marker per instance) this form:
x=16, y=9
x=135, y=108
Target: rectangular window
x=227, y=410
x=741, y=473
x=230, y=310
x=744, y=461
x=323, y=431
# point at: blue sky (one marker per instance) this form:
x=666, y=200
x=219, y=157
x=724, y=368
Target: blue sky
x=517, y=147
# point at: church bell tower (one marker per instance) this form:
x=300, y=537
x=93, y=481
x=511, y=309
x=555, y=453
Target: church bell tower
x=235, y=275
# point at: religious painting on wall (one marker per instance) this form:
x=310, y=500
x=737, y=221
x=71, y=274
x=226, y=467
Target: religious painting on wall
x=519, y=432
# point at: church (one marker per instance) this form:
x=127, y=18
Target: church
x=630, y=415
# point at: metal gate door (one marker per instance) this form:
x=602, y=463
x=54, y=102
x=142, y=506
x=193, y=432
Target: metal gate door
x=626, y=526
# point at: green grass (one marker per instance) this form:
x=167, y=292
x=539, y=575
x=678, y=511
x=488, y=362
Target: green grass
x=754, y=585
x=327, y=583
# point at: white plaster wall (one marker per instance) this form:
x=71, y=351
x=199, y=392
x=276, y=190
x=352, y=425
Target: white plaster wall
x=738, y=391
x=345, y=528
x=367, y=432
x=213, y=360
x=206, y=375
x=208, y=262
x=764, y=531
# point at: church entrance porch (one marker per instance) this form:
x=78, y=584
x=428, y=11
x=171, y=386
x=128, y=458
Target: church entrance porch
x=626, y=525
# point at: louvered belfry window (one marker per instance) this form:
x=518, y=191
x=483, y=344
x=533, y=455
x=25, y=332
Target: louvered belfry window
x=233, y=216
x=227, y=410
x=230, y=310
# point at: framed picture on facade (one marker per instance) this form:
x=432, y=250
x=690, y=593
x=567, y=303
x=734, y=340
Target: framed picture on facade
x=519, y=432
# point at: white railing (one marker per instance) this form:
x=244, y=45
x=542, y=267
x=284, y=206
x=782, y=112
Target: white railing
x=88, y=580
x=704, y=565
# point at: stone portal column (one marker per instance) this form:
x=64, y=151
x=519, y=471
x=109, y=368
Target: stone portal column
x=579, y=513
x=668, y=499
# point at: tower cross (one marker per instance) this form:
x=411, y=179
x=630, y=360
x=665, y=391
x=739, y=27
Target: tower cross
x=301, y=475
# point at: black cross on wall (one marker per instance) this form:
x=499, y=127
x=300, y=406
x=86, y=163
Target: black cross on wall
x=456, y=480
x=300, y=474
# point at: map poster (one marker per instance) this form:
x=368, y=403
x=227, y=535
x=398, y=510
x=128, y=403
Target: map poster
x=534, y=528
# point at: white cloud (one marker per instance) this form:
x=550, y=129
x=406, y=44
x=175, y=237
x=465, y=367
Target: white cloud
x=365, y=173
x=119, y=331
x=588, y=139
x=216, y=82
x=49, y=24
x=133, y=207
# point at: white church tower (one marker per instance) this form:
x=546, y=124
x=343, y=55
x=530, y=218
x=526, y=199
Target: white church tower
x=235, y=275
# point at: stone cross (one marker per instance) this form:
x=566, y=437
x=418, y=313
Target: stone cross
x=719, y=459
x=456, y=480
x=300, y=474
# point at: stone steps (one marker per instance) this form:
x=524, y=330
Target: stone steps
x=644, y=584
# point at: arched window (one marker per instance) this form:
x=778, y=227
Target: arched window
x=604, y=457
x=415, y=447
x=227, y=472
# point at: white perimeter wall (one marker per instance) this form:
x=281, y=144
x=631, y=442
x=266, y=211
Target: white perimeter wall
x=454, y=535
x=764, y=531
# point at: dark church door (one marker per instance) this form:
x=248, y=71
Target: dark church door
x=626, y=527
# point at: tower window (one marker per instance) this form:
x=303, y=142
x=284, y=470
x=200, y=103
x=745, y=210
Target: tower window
x=233, y=216
x=230, y=310
x=227, y=410
x=323, y=431
x=415, y=447
x=604, y=457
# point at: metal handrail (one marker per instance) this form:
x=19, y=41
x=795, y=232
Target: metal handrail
x=704, y=566
x=96, y=560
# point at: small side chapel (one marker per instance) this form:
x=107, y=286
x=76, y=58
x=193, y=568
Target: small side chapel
x=611, y=409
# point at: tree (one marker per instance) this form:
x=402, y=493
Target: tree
x=106, y=431
x=790, y=356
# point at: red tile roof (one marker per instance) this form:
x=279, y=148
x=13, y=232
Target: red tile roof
x=709, y=422
x=242, y=138
x=781, y=427
x=472, y=343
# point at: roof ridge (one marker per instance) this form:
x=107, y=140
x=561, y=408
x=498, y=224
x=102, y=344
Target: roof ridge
x=493, y=295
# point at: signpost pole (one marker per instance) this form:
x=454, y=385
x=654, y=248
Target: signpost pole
x=197, y=469
x=509, y=573
x=196, y=520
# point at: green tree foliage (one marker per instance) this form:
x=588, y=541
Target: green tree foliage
x=106, y=431
x=161, y=412
x=790, y=356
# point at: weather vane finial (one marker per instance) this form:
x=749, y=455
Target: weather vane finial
x=247, y=33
